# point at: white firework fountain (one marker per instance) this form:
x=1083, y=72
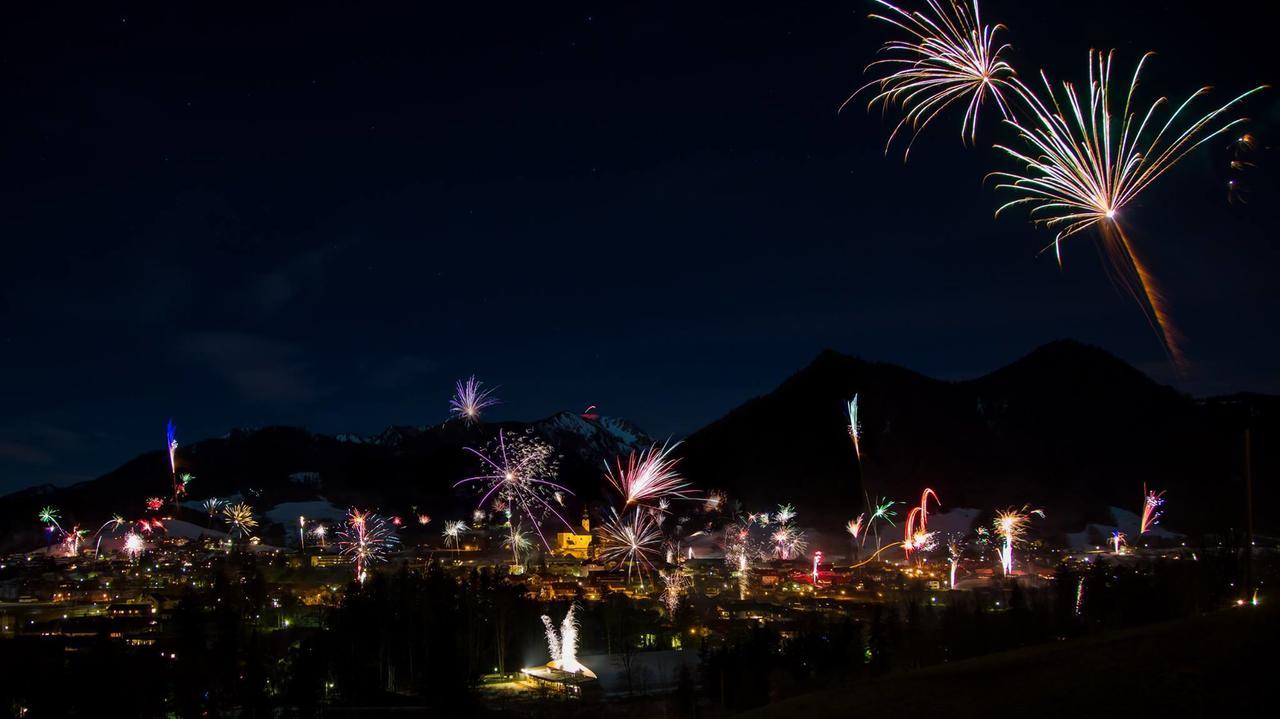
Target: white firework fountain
x=562, y=644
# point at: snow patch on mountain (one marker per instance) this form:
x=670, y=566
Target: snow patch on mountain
x=287, y=513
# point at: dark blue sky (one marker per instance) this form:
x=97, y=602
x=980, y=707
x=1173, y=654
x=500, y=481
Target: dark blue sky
x=322, y=216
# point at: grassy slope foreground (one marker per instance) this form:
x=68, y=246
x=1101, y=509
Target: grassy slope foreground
x=1216, y=665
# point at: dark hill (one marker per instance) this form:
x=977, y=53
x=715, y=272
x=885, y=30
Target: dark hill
x=1068, y=427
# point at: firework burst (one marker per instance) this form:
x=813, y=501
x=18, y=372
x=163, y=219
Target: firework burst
x=715, y=501
x=648, y=477
x=1011, y=526
x=950, y=58
x=1083, y=166
x=674, y=585
x=854, y=526
x=49, y=516
x=519, y=544
x=1117, y=541
x=239, y=519
x=632, y=539
x=366, y=538
x=453, y=532
x=211, y=506
x=134, y=545
x=1151, y=501
x=470, y=399
x=788, y=542
x=785, y=514
x=519, y=472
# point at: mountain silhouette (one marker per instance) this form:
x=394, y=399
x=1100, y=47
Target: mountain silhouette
x=1069, y=428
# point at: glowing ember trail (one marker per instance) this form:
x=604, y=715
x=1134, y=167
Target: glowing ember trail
x=855, y=429
x=1117, y=541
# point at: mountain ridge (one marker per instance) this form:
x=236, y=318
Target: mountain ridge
x=1067, y=426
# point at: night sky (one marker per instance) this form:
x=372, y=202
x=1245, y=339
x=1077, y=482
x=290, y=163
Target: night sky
x=323, y=216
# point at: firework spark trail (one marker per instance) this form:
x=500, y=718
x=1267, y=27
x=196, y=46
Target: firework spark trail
x=1011, y=525
x=470, y=399
x=916, y=530
x=954, y=551
x=1117, y=541
x=875, y=554
x=116, y=522
x=519, y=474
x=319, y=532
x=633, y=539
x=171, y=446
x=951, y=58
x=647, y=477
x=366, y=538
x=1083, y=171
x=855, y=428
x=1151, y=501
